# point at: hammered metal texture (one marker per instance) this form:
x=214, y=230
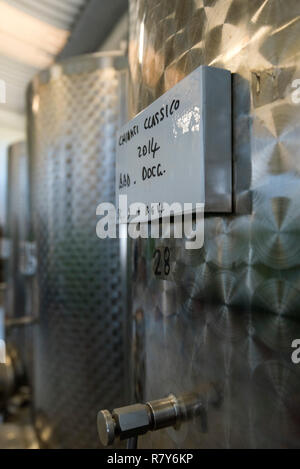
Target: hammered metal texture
x=79, y=350
x=229, y=312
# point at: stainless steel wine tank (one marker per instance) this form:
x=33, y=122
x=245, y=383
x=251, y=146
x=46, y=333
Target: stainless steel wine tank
x=18, y=271
x=227, y=313
x=80, y=357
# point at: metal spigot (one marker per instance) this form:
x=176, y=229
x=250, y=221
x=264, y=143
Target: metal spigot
x=137, y=419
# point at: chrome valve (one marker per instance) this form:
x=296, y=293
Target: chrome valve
x=137, y=419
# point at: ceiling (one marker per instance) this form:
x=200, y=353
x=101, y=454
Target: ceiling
x=32, y=34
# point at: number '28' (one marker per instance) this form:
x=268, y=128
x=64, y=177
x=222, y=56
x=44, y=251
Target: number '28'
x=162, y=258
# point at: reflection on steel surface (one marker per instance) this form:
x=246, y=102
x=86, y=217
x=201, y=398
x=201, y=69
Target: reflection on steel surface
x=229, y=312
x=79, y=367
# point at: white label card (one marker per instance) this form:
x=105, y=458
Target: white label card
x=161, y=152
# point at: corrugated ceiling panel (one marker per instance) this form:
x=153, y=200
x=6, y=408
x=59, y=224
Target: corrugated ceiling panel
x=61, y=14
x=32, y=33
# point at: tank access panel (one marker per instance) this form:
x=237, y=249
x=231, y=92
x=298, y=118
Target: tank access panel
x=179, y=149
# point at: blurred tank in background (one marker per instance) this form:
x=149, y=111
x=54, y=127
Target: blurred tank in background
x=16, y=229
x=229, y=312
x=74, y=110
x=17, y=294
x=2, y=284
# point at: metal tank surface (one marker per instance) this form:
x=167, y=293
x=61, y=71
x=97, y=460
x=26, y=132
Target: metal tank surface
x=80, y=363
x=228, y=313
